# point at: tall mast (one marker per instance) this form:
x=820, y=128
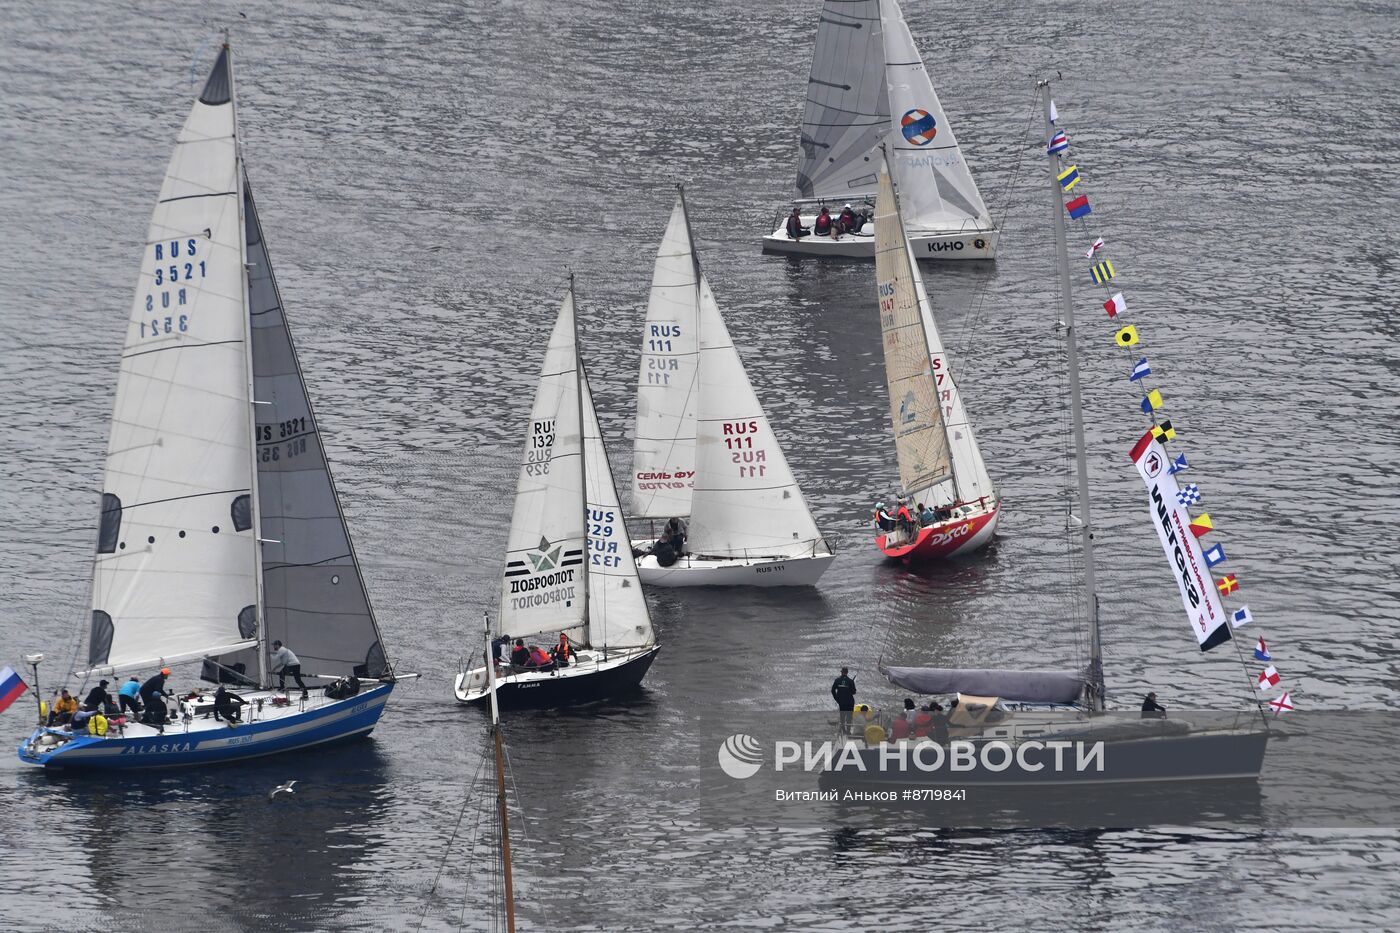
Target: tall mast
x=1095, y=687
x=254, y=498
x=503, y=813
x=583, y=464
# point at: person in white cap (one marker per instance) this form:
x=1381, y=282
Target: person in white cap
x=847, y=222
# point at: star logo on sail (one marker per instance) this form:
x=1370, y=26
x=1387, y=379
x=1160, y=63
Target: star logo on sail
x=919, y=127
x=548, y=556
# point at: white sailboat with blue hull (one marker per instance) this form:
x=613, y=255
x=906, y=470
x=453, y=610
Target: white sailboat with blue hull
x=221, y=530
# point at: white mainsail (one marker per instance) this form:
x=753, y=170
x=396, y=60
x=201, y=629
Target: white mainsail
x=543, y=586
x=847, y=111
x=921, y=444
x=663, y=456
x=617, y=610
x=175, y=573
x=934, y=182
x=746, y=502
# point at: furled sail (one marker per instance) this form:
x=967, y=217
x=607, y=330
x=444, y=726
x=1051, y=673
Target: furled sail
x=1167, y=509
x=543, y=586
x=314, y=596
x=1022, y=686
x=663, y=456
x=746, y=502
x=921, y=443
x=174, y=577
x=934, y=181
x=847, y=111
x=617, y=610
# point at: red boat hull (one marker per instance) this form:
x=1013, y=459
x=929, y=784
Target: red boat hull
x=949, y=539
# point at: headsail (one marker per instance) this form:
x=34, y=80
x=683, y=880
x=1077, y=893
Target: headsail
x=971, y=482
x=617, y=610
x=543, y=586
x=747, y=502
x=174, y=577
x=937, y=189
x=313, y=593
x=663, y=457
x=847, y=111
x=921, y=443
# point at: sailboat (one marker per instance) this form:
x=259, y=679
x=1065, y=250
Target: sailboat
x=221, y=530
x=868, y=86
x=569, y=568
x=1024, y=709
x=940, y=464
x=705, y=449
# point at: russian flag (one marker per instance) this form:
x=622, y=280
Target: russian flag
x=11, y=688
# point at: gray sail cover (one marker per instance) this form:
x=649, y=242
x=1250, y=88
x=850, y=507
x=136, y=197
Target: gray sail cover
x=1025, y=686
x=848, y=107
x=313, y=594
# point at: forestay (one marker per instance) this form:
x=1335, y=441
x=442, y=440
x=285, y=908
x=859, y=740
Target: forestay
x=746, y=502
x=617, y=610
x=174, y=576
x=1022, y=686
x=847, y=111
x=934, y=182
x=921, y=444
x=663, y=457
x=313, y=593
x=543, y=586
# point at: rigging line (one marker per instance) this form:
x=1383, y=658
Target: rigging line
x=442, y=862
x=968, y=330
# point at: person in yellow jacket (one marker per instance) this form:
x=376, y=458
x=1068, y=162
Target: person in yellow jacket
x=63, y=708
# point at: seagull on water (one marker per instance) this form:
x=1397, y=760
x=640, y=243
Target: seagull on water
x=286, y=788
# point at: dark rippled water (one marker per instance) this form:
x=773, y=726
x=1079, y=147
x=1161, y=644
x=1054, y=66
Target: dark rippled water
x=428, y=173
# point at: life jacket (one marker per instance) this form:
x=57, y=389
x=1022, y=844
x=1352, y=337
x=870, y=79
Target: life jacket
x=922, y=722
x=97, y=725
x=564, y=650
x=794, y=225
x=899, y=729
x=538, y=656
x=903, y=513
x=823, y=224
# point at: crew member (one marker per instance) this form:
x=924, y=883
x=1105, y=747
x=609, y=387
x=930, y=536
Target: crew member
x=153, y=698
x=98, y=698
x=823, y=225
x=63, y=708
x=843, y=691
x=520, y=655
x=227, y=706
x=795, y=230
x=1151, y=709
x=128, y=696
x=285, y=663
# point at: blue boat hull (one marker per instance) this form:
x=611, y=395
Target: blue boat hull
x=336, y=722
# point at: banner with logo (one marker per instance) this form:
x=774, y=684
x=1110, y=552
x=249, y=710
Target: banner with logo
x=1169, y=516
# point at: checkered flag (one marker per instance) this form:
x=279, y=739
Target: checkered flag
x=1189, y=494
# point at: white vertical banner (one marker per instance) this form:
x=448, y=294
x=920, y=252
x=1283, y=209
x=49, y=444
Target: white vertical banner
x=1188, y=565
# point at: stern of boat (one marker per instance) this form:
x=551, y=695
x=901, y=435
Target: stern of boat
x=955, y=538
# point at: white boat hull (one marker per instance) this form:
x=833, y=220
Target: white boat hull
x=979, y=244
x=691, y=570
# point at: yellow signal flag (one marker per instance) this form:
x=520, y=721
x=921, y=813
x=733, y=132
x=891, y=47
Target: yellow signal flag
x=1153, y=401
x=1164, y=431
x=1127, y=337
